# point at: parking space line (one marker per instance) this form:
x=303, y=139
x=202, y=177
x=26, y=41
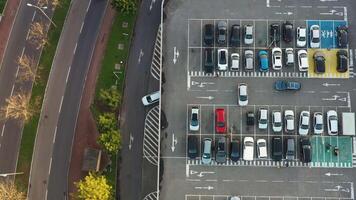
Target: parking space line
x=188, y=79
x=201, y=44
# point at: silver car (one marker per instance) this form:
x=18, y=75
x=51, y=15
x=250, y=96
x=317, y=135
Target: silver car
x=248, y=36
x=248, y=60
x=222, y=27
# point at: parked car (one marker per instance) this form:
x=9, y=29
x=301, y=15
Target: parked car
x=209, y=60
x=220, y=120
x=290, y=149
x=342, y=36
x=277, y=58
x=208, y=35
x=314, y=36
x=249, y=60
x=221, y=150
x=192, y=146
x=235, y=150
x=319, y=62
x=289, y=57
x=301, y=36
x=235, y=61
x=303, y=60
x=243, y=97
x=318, y=123
x=262, y=118
x=194, y=119
x=276, y=121
x=275, y=33
x=206, y=156
x=248, y=148
x=277, y=150
x=248, y=37
x=250, y=118
x=331, y=116
x=289, y=120
x=287, y=31
x=263, y=60
x=151, y=98
x=342, y=61
x=287, y=85
x=304, y=123
x=222, y=27
x=305, y=150
x=222, y=59
x=261, y=148
x=235, y=35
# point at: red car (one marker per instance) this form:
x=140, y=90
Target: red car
x=220, y=121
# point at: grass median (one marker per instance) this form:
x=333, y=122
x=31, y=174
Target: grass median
x=38, y=91
x=2, y=6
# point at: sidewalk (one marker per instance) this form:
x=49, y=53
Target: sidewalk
x=6, y=24
x=86, y=130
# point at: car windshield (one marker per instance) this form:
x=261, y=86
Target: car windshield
x=301, y=38
x=318, y=126
x=222, y=32
x=303, y=126
x=222, y=58
x=194, y=119
x=243, y=97
x=261, y=144
x=249, y=144
x=206, y=155
x=263, y=121
x=221, y=124
x=149, y=99
x=221, y=146
x=315, y=39
x=277, y=124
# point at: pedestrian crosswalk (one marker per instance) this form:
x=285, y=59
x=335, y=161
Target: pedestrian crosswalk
x=151, y=136
x=156, y=57
x=271, y=163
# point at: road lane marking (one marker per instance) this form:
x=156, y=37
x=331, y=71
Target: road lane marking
x=345, y=13
x=75, y=48
x=81, y=28
x=12, y=90
x=60, y=106
x=55, y=133
x=88, y=6
x=68, y=73
x=33, y=16
x=3, y=128
x=50, y=165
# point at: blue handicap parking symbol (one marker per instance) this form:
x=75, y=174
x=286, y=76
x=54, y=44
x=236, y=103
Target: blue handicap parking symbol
x=328, y=32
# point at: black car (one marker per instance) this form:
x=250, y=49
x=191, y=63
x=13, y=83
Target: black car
x=250, y=116
x=209, y=61
x=208, y=34
x=319, y=62
x=277, y=152
x=287, y=31
x=221, y=150
x=235, y=35
x=341, y=61
x=342, y=36
x=235, y=150
x=305, y=150
x=275, y=34
x=164, y=122
x=192, y=147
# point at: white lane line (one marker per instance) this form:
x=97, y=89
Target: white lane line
x=12, y=90
x=345, y=13
x=46, y=193
x=267, y=3
x=351, y=58
x=55, y=133
x=88, y=6
x=306, y=6
x=81, y=28
x=194, y=180
x=60, y=106
x=187, y=170
x=211, y=180
x=2, y=132
x=75, y=48
x=50, y=165
x=33, y=16
x=68, y=73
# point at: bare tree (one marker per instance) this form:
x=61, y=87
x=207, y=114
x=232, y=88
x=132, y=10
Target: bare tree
x=27, y=71
x=55, y=3
x=37, y=34
x=17, y=107
x=42, y=3
x=9, y=191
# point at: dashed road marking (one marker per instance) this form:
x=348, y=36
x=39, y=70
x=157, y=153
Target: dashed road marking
x=151, y=136
x=156, y=57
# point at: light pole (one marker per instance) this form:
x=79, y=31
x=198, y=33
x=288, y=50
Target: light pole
x=10, y=174
x=41, y=9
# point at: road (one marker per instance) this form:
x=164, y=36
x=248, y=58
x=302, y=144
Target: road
x=54, y=140
x=11, y=130
x=132, y=183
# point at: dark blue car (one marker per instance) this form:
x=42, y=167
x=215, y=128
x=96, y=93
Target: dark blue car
x=286, y=85
x=263, y=60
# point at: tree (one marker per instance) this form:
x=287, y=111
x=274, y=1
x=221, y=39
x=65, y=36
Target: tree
x=124, y=6
x=110, y=97
x=93, y=187
x=27, y=71
x=17, y=107
x=110, y=141
x=37, y=34
x=107, y=122
x=9, y=191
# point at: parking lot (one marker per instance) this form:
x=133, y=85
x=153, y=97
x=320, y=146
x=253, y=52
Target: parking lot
x=330, y=173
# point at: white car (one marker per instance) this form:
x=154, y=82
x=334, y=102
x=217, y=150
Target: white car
x=301, y=36
x=248, y=148
x=194, y=119
x=235, y=61
x=314, y=36
x=289, y=120
x=248, y=36
x=318, y=123
x=332, y=122
x=276, y=121
x=289, y=57
x=151, y=98
x=262, y=148
x=263, y=118
x=277, y=58
x=234, y=198
x=222, y=59
x=303, y=60
x=304, y=123
x=243, y=97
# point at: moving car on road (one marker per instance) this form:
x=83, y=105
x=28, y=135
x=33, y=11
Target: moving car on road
x=151, y=98
x=222, y=27
x=304, y=123
x=220, y=120
x=314, y=36
x=277, y=58
x=331, y=116
x=263, y=60
x=301, y=36
x=305, y=150
x=319, y=62
x=194, y=119
x=222, y=59
x=208, y=35
x=289, y=120
x=221, y=151
x=248, y=148
x=235, y=61
x=262, y=148
x=243, y=97
x=303, y=60
x=248, y=37
x=287, y=85
x=318, y=123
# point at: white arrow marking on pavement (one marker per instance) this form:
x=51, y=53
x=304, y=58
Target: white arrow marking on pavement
x=283, y=13
x=174, y=142
x=140, y=56
x=204, y=188
x=195, y=83
x=201, y=174
x=193, y=172
x=131, y=140
x=338, y=188
x=342, y=99
x=330, y=174
x=330, y=84
x=208, y=97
